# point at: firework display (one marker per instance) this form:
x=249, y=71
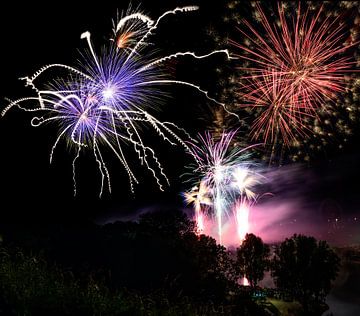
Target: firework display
x=301, y=63
x=305, y=54
x=295, y=90
x=227, y=179
x=106, y=101
x=290, y=88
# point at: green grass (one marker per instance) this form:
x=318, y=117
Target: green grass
x=285, y=308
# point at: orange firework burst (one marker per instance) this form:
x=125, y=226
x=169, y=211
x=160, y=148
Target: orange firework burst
x=122, y=40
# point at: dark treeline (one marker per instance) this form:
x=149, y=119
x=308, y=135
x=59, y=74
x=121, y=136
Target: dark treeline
x=155, y=266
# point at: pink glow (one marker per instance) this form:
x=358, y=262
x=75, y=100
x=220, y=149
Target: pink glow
x=199, y=219
x=244, y=281
x=242, y=219
x=272, y=221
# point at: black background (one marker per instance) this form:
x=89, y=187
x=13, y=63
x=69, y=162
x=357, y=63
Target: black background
x=33, y=35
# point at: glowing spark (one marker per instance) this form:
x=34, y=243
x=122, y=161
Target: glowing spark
x=123, y=39
x=108, y=93
x=245, y=182
x=245, y=281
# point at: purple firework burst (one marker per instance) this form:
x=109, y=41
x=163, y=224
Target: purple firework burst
x=107, y=99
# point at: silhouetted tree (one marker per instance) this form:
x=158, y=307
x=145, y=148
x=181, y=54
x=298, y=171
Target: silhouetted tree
x=305, y=268
x=167, y=222
x=253, y=258
x=156, y=264
x=210, y=267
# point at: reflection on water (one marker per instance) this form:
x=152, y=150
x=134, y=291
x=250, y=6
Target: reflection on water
x=344, y=297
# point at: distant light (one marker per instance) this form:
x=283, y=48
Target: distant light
x=245, y=281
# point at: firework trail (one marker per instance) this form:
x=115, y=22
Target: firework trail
x=105, y=102
x=242, y=210
x=225, y=172
x=293, y=70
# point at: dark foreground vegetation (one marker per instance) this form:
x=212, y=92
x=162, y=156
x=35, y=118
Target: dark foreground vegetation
x=156, y=266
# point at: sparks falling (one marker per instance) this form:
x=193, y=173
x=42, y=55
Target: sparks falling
x=105, y=102
x=199, y=196
x=228, y=176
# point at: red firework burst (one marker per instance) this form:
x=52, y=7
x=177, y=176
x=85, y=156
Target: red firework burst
x=295, y=68
x=281, y=110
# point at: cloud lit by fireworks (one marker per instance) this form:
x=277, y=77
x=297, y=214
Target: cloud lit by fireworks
x=227, y=177
x=105, y=102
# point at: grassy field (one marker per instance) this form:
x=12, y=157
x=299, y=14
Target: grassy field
x=281, y=308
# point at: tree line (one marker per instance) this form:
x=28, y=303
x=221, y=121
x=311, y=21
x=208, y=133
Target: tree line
x=154, y=266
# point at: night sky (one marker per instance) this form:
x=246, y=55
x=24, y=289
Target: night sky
x=34, y=35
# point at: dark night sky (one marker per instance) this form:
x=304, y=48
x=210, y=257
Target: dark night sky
x=33, y=35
